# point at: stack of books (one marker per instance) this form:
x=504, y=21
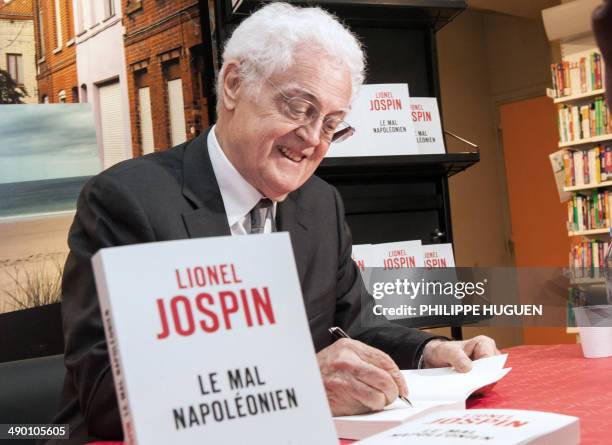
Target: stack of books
x=585, y=167
x=588, y=211
x=577, y=76
x=584, y=121
x=587, y=258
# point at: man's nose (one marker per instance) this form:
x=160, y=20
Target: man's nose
x=311, y=133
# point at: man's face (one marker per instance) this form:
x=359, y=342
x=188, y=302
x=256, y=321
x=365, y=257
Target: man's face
x=271, y=151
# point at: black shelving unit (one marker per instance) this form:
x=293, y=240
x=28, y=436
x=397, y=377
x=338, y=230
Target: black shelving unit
x=375, y=167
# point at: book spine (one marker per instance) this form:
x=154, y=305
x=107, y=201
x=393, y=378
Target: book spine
x=584, y=121
x=585, y=167
x=598, y=82
x=606, y=208
x=598, y=112
x=603, y=173
x=597, y=156
x=567, y=88
x=583, y=75
x=599, y=213
x=567, y=169
x=592, y=76
x=113, y=352
x=592, y=125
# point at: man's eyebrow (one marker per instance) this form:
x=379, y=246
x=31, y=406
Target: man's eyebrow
x=306, y=94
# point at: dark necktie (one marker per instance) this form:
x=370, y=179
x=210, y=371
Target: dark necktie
x=260, y=214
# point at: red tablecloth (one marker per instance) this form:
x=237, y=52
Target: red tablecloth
x=558, y=379
x=552, y=378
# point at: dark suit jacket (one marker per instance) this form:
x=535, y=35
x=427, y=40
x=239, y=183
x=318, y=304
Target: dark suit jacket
x=174, y=195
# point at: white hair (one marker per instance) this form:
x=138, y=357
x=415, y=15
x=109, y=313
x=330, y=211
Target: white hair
x=265, y=43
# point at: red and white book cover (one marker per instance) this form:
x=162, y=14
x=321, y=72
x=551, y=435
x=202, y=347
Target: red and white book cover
x=380, y=113
x=209, y=343
x=362, y=256
x=399, y=255
x=484, y=426
x=438, y=255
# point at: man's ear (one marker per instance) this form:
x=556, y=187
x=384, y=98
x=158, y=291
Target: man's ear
x=231, y=85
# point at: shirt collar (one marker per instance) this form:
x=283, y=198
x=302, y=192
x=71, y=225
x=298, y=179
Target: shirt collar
x=239, y=197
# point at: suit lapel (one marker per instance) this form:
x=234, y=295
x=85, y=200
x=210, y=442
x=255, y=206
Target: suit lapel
x=200, y=187
x=208, y=218
x=291, y=217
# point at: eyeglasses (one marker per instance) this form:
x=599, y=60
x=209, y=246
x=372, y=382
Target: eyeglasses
x=304, y=113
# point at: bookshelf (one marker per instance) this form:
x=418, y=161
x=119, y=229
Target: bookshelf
x=577, y=188
x=591, y=232
x=580, y=96
x=585, y=140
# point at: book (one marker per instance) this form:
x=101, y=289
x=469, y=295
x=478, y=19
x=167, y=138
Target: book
x=202, y=336
x=578, y=73
x=429, y=390
x=381, y=112
x=427, y=125
x=438, y=255
x=484, y=426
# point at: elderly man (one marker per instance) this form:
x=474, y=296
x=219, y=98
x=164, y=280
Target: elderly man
x=285, y=87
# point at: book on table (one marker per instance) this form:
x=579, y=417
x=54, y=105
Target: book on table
x=484, y=426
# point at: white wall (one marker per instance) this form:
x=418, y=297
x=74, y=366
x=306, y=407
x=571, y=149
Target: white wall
x=486, y=59
x=100, y=57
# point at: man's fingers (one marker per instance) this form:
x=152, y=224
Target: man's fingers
x=381, y=360
x=379, y=379
x=457, y=357
x=480, y=347
x=371, y=398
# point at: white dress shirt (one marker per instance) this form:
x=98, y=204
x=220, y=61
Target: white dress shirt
x=239, y=197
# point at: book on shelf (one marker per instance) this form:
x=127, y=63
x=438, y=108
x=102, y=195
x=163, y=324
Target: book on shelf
x=577, y=74
x=484, y=426
x=586, y=258
x=429, y=390
x=588, y=167
x=579, y=122
x=588, y=211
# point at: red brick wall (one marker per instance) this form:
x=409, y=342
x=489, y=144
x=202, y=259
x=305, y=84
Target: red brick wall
x=58, y=71
x=153, y=30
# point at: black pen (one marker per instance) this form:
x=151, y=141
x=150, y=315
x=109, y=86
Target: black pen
x=338, y=333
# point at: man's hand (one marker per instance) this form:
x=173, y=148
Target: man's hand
x=359, y=378
x=458, y=354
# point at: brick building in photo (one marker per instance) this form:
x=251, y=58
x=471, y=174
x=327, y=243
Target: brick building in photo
x=17, y=53
x=55, y=51
x=164, y=59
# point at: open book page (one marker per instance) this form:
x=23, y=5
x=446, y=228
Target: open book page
x=430, y=390
x=446, y=384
